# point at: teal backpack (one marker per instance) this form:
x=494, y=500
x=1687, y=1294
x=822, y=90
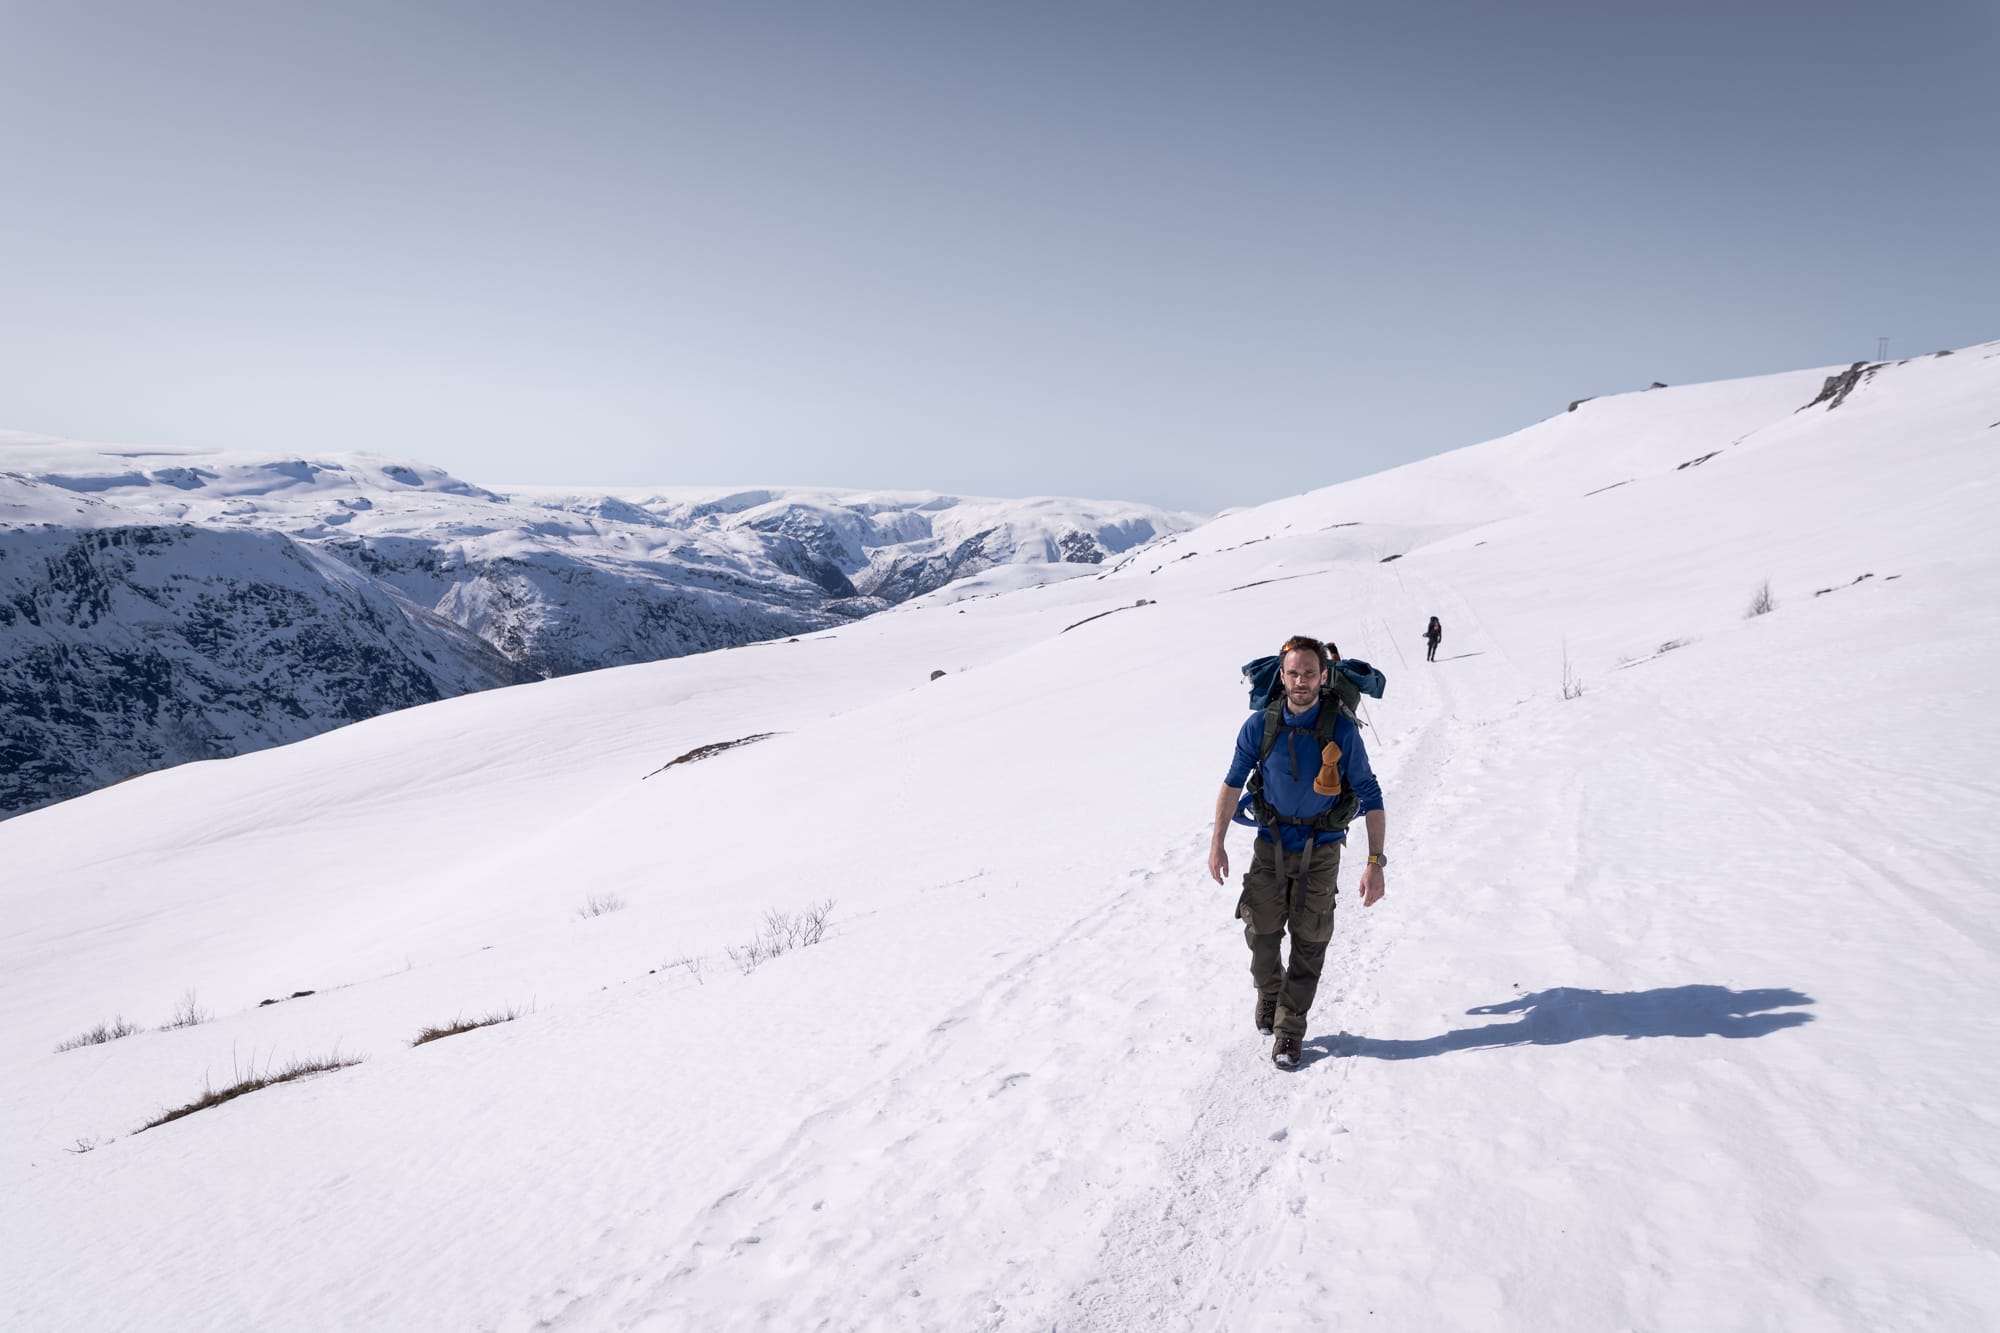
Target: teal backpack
x=1348, y=678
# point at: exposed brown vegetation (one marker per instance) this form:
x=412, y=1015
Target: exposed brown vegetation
x=458, y=1025
x=217, y=1096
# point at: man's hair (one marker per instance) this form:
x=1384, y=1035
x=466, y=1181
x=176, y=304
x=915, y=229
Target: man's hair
x=1305, y=643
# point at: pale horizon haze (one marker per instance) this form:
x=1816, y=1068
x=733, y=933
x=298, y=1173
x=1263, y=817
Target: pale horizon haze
x=1195, y=255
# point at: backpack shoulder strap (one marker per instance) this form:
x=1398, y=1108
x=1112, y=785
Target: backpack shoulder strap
x=1329, y=718
x=1273, y=719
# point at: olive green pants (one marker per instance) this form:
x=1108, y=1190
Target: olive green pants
x=1265, y=914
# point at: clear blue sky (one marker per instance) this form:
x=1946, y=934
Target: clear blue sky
x=1201, y=255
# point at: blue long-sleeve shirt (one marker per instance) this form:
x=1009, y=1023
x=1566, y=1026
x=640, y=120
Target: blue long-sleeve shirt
x=1294, y=763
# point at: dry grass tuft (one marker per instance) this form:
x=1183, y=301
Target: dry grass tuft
x=458, y=1025
x=217, y=1096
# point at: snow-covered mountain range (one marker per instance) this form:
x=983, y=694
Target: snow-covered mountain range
x=1678, y=1014
x=158, y=606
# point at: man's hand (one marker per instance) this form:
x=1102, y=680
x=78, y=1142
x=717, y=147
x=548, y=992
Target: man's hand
x=1225, y=810
x=1372, y=887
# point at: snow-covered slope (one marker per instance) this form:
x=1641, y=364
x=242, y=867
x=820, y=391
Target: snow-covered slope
x=552, y=582
x=1678, y=1013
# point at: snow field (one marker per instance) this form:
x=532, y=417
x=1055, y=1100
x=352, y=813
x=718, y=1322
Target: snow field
x=1727, y=914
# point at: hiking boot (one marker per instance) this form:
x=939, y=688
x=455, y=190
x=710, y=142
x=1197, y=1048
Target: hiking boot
x=1267, y=1013
x=1285, y=1052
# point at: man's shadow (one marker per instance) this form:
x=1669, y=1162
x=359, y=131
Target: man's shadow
x=1566, y=1013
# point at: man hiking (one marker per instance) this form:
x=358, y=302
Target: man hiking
x=1432, y=633
x=1311, y=777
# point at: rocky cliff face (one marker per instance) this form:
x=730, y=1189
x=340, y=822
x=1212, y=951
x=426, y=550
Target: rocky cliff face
x=157, y=607
x=554, y=612
x=127, y=649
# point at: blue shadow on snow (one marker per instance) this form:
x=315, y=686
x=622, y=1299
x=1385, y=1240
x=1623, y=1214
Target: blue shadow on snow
x=1567, y=1013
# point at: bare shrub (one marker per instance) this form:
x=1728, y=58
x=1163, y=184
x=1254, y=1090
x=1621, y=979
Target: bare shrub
x=747, y=957
x=692, y=964
x=251, y=1083
x=781, y=930
x=1672, y=644
x=1761, y=601
x=1572, y=683
x=82, y=1146
x=463, y=1024
x=188, y=1013
x=812, y=922
x=781, y=933
x=597, y=904
x=98, y=1035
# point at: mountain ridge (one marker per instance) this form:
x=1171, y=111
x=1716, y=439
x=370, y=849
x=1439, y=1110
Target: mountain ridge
x=550, y=582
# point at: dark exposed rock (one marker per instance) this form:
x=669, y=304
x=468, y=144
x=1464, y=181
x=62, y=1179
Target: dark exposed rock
x=795, y=557
x=1079, y=548
x=1834, y=392
x=900, y=580
x=133, y=649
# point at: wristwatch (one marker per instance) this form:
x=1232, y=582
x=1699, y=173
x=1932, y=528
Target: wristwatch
x=1377, y=859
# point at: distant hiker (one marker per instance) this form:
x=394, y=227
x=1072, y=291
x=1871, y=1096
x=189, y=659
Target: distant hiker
x=1432, y=633
x=1308, y=776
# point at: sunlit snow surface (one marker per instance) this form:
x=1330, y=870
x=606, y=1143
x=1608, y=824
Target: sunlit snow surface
x=1680, y=1013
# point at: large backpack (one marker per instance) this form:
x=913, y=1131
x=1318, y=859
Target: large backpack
x=1347, y=679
